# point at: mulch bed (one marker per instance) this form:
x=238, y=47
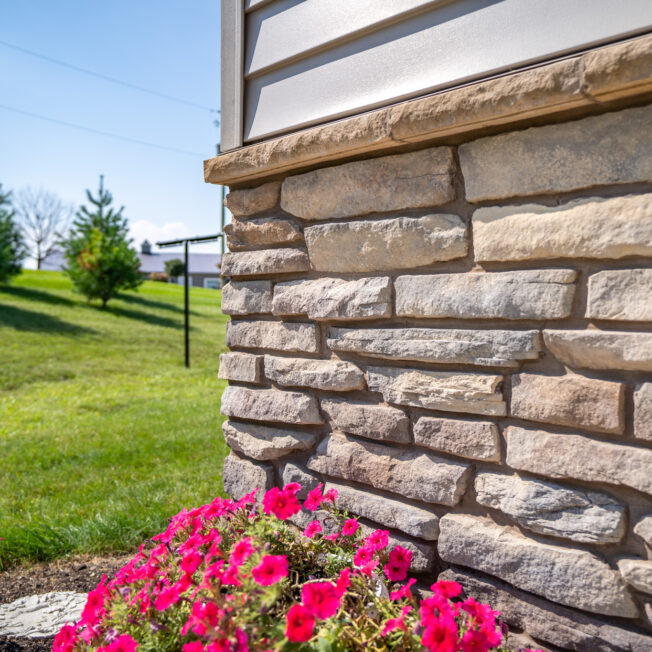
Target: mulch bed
x=80, y=574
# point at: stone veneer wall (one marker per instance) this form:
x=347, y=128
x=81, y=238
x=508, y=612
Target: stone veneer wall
x=459, y=339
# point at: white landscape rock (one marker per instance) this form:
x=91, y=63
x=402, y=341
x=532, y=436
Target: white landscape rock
x=332, y=375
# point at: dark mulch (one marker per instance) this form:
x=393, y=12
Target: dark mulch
x=81, y=574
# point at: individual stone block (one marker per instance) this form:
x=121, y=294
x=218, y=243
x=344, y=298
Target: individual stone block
x=335, y=298
x=241, y=477
x=274, y=335
x=439, y=390
x=560, y=626
x=377, y=245
x=572, y=577
x=477, y=440
x=294, y=473
x=368, y=420
x=264, y=443
x=579, y=458
x=637, y=573
x=596, y=227
x=389, y=513
x=529, y=294
x=644, y=529
x=242, y=367
x=265, y=261
x=253, y=200
x=570, y=400
x=270, y=405
x=621, y=294
x=612, y=148
x=492, y=348
x=594, y=349
x=333, y=375
x=247, y=297
x=549, y=508
x=409, y=473
x=643, y=411
x=262, y=232
x=389, y=183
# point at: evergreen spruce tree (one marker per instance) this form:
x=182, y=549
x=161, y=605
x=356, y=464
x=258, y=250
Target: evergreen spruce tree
x=99, y=259
x=12, y=246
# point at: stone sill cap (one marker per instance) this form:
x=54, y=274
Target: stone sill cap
x=613, y=72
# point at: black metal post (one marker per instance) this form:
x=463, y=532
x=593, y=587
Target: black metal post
x=186, y=303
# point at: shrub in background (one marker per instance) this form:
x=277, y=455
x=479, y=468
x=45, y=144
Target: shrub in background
x=162, y=277
x=12, y=246
x=174, y=267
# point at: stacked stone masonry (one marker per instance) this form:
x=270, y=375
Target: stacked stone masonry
x=459, y=340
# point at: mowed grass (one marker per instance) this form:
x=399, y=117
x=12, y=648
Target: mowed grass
x=103, y=433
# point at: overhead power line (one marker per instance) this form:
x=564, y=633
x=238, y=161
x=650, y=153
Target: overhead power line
x=113, y=80
x=97, y=131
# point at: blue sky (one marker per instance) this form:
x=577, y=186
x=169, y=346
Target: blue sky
x=167, y=46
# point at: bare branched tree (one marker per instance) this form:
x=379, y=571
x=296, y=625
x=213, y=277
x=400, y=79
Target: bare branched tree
x=43, y=218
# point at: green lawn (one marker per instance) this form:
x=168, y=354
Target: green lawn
x=103, y=433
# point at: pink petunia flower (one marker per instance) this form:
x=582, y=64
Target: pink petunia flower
x=167, y=597
x=123, y=643
x=282, y=504
x=474, y=641
x=312, y=529
x=350, y=527
x=447, y=589
x=397, y=623
x=195, y=646
x=191, y=562
x=363, y=555
x=314, y=498
x=403, y=592
x=330, y=496
x=399, y=562
x=300, y=624
x=272, y=569
x=378, y=540
x=65, y=640
x=343, y=581
x=441, y=636
x=321, y=599
x=241, y=551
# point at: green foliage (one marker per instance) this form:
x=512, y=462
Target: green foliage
x=174, y=267
x=99, y=259
x=12, y=247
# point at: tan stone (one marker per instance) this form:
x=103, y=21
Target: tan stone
x=439, y=390
x=265, y=443
x=644, y=529
x=570, y=400
x=594, y=349
x=575, y=578
x=478, y=440
x=367, y=420
x=335, y=298
x=607, y=149
x=264, y=262
x=528, y=294
x=254, y=200
x=643, y=412
x=262, y=232
x=270, y=405
x=332, y=375
x=241, y=477
x=389, y=183
x=409, y=473
x=247, y=297
x=278, y=336
x=621, y=294
x=637, y=573
x=376, y=245
x=596, y=227
x=579, y=458
x=242, y=367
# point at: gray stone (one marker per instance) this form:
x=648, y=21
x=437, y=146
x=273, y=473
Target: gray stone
x=376, y=245
x=294, y=473
x=262, y=232
x=451, y=391
x=572, y=577
x=644, y=529
x=389, y=183
x=594, y=349
x=596, y=227
x=570, y=400
x=389, y=513
x=409, y=473
x=270, y=405
x=335, y=298
x=621, y=294
x=368, y=420
x=333, y=375
x=241, y=477
x=278, y=336
x=528, y=294
x=559, y=626
x=264, y=443
x=549, y=508
x=247, y=297
x=579, y=458
x=253, y=200
x=612, y=148
x=493, y=348
x=637, y=573
x=242, y=367
x=264, y=262
x=40, y=616
x=643, y=411
x=477, y=440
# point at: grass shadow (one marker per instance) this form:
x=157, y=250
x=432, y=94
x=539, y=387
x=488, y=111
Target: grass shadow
x=148, y=303
x=146, y=317
x=38, y=322
x=36, y=295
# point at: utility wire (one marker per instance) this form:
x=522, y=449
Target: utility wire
x=97, y=131
x=113, y=80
